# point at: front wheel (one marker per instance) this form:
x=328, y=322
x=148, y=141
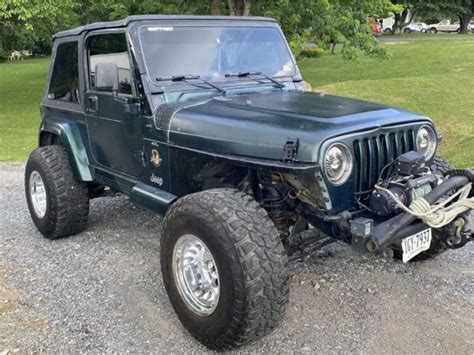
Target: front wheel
x=433, y=30
x=224, y=267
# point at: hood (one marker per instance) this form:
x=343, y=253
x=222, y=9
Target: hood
x=258, y=125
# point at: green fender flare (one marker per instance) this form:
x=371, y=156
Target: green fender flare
x=71, y=138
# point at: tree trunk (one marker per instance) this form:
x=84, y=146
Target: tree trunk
x=411, y=13
x=239, y=7
x=1, y=37
x=216, y=7
x=231, y=8
x=246, y=8
x=464, y=20
x=400, y=22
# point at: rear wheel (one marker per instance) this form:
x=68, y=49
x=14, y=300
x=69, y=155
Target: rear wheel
x=224, y=267
x=407, y=30
x=58, y=203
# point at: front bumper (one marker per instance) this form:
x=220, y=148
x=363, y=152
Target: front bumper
x=392, y=231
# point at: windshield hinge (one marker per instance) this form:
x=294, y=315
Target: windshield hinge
x=290, y=149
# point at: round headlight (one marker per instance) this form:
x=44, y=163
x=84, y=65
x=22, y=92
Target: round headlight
x=338, y=163
x=426, y=141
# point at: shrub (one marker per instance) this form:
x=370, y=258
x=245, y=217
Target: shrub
x=3, y=56
x=312, y=52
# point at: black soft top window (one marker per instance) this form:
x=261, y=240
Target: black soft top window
x=64, y=85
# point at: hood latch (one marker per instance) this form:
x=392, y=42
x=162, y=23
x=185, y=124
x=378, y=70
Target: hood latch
x=290, y=149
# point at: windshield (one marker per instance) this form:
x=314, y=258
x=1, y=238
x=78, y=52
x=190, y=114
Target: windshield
x=211, y=52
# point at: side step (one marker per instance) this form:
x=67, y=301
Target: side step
x=152, y=198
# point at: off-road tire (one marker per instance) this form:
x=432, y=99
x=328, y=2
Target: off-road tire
x=438, y=244
x=67, y=206
x=440, y=166
x=250, y=258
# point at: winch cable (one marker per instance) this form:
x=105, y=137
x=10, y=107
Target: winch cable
x=436, y=215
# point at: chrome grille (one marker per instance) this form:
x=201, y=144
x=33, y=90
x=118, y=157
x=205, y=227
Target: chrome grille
x=371, y=154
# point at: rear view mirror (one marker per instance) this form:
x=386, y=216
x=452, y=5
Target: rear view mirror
x=106, y=77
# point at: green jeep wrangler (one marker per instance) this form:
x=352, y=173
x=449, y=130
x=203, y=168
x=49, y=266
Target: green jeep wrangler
x=206, y=121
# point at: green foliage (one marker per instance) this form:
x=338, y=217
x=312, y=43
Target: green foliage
x=29, y=24
x=336, y=25
x=311, y=52
x=340, y=23
x=3, y=56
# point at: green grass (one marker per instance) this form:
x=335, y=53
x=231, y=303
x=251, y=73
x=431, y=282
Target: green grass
x=434, y=78
x=21, y=88
x=418, y=36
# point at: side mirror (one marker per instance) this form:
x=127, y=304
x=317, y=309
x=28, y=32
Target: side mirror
x=106, y=77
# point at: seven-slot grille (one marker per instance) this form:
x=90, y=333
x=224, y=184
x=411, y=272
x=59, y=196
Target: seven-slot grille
x=373, y=153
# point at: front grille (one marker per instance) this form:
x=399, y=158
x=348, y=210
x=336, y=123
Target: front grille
x=373, y=153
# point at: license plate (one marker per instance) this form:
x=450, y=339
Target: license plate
x=415, y=244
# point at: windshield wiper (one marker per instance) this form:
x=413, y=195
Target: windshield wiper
x=244, y=74
x=187, y=77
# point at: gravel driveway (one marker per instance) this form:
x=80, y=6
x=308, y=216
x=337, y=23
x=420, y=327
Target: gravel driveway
x=101, y=291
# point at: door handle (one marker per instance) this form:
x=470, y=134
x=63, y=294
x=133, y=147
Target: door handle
x=93, y=103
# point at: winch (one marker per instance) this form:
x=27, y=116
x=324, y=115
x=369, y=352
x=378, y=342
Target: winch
x=408, y=180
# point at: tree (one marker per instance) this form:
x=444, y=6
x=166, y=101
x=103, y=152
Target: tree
x=216, y=7
x=23, y=20
x=327, y=23
x=463, y=9
x=239, y=7
x=407, y=11
x=324, y=22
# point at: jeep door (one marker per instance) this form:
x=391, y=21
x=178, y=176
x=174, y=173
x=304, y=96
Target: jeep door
x=113, y=118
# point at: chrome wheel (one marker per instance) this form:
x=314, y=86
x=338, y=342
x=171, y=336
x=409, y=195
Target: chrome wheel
x=38, y=194
x=196, y=275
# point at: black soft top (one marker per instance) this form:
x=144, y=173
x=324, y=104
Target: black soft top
x=126, y=21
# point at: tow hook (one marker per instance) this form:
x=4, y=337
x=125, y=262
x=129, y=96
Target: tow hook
x=462, y=232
